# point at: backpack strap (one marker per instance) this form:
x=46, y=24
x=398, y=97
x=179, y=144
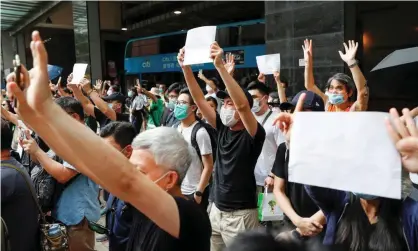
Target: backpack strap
x=193, y=140
x=266, y=118
x=5, y=237
x=29, y=186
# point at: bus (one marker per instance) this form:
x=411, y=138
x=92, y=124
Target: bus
x=154, y=58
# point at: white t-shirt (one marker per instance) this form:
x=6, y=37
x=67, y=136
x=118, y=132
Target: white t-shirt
x=274, y=137
x=192, y=179
x=414, y=176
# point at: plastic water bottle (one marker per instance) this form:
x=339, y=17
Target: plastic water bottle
x=54, y=231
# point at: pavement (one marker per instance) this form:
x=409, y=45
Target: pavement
x=102, y=246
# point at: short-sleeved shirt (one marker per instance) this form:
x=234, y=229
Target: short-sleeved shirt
x=236, y=157
x=104, y=120
x=194, y=173
x=195, y=231
x=78, y=200
x=18, y=208
x=274, y=137
x=299, y=198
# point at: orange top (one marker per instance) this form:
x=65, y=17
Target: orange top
x=333, y=108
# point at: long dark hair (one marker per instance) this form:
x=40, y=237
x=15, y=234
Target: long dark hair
x=352, y=229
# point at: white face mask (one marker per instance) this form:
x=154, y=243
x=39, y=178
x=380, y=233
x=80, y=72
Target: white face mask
x=209, y=89
x=227, y=117
x=256, y=106
x=109, y=92
x=130, y=94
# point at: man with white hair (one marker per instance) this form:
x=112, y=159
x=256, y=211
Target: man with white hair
x=149, y=183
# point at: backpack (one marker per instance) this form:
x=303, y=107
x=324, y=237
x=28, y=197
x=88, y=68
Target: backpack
x=47, y=188
x=212, y=134
x=5, y=239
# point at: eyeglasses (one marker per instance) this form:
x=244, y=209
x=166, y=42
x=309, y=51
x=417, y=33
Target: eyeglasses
x=182, y=102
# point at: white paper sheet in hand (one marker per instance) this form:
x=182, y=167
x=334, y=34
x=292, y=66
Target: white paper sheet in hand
x=349, y=151
x=198, y=42
x=267, y=64
x=79, y=70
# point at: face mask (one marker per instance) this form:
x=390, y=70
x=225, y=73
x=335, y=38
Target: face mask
x=180, y=111
x=366, y=196
x=171, y=104
x=162, y=177
x=109, y=92
x=209, y=89
x=256, y=106
x=130, y=94
x=335, y=99
x=227, y=117
x=275, y=109
x=160, y=91
x=110, y=105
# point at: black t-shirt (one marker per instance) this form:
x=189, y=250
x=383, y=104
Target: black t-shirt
x=195, y=231
x=237, y=154
x=18, y=208
x=104, y=120
x=300, y=200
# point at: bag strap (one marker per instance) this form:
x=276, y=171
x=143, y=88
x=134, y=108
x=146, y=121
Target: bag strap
x=29, y=186
x=193, y=140
x=266, y=118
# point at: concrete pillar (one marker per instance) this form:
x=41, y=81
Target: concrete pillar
x=86, y=21
x=288, y=23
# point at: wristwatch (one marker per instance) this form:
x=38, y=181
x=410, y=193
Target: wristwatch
x=198, y=193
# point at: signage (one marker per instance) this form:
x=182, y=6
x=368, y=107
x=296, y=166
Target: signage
x=244, y=58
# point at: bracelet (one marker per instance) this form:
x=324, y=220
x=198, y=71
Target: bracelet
x=354, y=64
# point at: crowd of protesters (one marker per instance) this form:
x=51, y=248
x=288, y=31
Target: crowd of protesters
x=180, y=168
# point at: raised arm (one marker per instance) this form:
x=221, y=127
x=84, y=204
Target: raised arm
x=207, y=81
x=98, y=101
x=309, y=77
x=359, y=80
x=196, y=92
x=72, y=141
x=235, y=92
x=280, y=88
x=88, y=107
x=57, y=170
x=13, y=118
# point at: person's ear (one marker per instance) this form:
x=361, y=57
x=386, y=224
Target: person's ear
x=128, y=151
x=172, y=179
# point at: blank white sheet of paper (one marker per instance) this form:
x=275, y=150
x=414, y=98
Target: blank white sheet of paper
x=198, y=42
x=79, y=70
x=267, y=64
x=349, y=151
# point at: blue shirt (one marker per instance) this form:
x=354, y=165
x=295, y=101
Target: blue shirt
x=119, y=222
x=78, y=200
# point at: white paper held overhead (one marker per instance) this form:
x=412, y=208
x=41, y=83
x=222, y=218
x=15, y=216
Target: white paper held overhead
x=349, y=151
x=79, y=70
x=198, y=42
x=267, y=64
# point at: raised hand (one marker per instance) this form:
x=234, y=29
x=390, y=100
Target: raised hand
x=307, y=50
x=85, y=84
x=285, y=120
x=36, y=96
x=200, y=75
x=98, y=85
x=216, y=54
x=28, y=144
x=405, y=137
x=180, y=57
x=229, y=64
x=350, y=52
x=262, y=78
